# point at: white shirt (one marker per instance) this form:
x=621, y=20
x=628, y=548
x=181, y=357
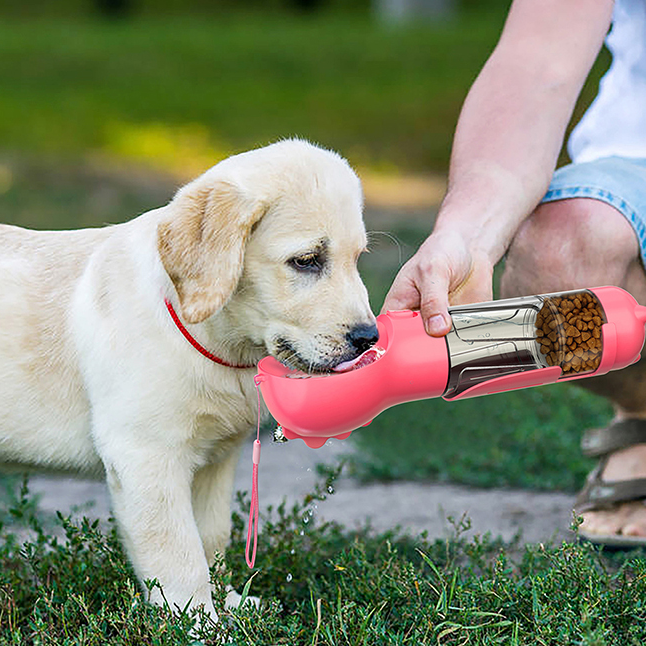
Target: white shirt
x=615, y=123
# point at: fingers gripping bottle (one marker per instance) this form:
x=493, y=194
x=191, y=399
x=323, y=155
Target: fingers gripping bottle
x=492, y=347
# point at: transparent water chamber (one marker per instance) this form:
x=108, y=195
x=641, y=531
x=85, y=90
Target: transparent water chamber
x=505, y=337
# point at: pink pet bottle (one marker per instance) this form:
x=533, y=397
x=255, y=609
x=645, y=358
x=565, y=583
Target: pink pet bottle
x=492, y=347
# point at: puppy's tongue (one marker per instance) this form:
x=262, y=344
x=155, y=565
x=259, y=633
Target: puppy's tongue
x=365, y=359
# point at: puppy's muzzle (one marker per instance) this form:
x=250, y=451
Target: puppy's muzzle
x=362, y=337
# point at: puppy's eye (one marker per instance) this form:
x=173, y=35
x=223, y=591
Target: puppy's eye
x=309, y=262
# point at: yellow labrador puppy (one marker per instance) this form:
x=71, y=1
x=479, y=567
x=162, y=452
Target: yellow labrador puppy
x=256, y=256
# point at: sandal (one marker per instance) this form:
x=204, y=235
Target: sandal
x=597, y=494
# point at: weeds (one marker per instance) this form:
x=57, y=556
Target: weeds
x=322, y=585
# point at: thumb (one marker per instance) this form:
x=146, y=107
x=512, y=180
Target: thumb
x=434, y=301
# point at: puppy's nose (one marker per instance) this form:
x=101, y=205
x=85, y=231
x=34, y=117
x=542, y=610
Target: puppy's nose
x=363, y=337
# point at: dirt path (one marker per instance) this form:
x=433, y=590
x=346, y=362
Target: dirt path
x=289, y=471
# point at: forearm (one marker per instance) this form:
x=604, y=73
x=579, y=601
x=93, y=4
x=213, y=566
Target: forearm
x=512, y=125
x=505, y=150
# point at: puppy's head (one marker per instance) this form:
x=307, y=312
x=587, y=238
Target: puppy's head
x=272, y=238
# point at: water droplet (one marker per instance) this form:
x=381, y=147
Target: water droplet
x=289, y=578
x=330, y=489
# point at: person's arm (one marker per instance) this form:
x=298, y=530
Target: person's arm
x=505, y=149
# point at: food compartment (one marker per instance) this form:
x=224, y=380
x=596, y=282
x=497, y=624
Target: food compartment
x=568, y=330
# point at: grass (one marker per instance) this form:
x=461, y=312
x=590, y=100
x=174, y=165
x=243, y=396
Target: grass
x=46, y=192
x=232, y=82
x=323, y=585
x=526, y=439
x=180, y=93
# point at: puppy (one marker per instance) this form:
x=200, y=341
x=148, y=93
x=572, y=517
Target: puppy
x=256, y=256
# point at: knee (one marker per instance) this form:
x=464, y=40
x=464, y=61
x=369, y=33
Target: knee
x=569, y=244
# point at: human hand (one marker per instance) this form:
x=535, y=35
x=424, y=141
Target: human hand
x=443, y=270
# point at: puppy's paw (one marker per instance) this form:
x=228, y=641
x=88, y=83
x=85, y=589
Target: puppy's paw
x=233, y=599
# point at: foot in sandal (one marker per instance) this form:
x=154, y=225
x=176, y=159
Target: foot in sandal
x=612, y=502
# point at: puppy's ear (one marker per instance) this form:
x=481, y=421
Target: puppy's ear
x=202, y=244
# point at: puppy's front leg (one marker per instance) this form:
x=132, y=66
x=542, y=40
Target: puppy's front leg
x=151, y=497
x=212, y=490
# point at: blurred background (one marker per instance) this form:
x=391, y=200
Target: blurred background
x=107, y=106
x=174, y=86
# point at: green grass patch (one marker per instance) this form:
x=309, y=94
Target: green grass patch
x=45, y=192
x=183, y=92
x=526, y=439
x=321, y=584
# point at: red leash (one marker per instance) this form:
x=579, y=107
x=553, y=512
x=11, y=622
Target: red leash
x=252, y=526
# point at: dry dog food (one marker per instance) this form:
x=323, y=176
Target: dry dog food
x=568, y=329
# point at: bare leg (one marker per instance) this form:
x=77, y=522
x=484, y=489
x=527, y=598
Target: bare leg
x=578, y=243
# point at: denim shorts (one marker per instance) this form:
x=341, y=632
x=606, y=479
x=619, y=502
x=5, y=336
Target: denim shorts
x=618, y=181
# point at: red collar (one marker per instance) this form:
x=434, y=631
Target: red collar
x=194, y=343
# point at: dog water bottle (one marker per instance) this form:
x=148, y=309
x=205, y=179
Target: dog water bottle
x=492, y=347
